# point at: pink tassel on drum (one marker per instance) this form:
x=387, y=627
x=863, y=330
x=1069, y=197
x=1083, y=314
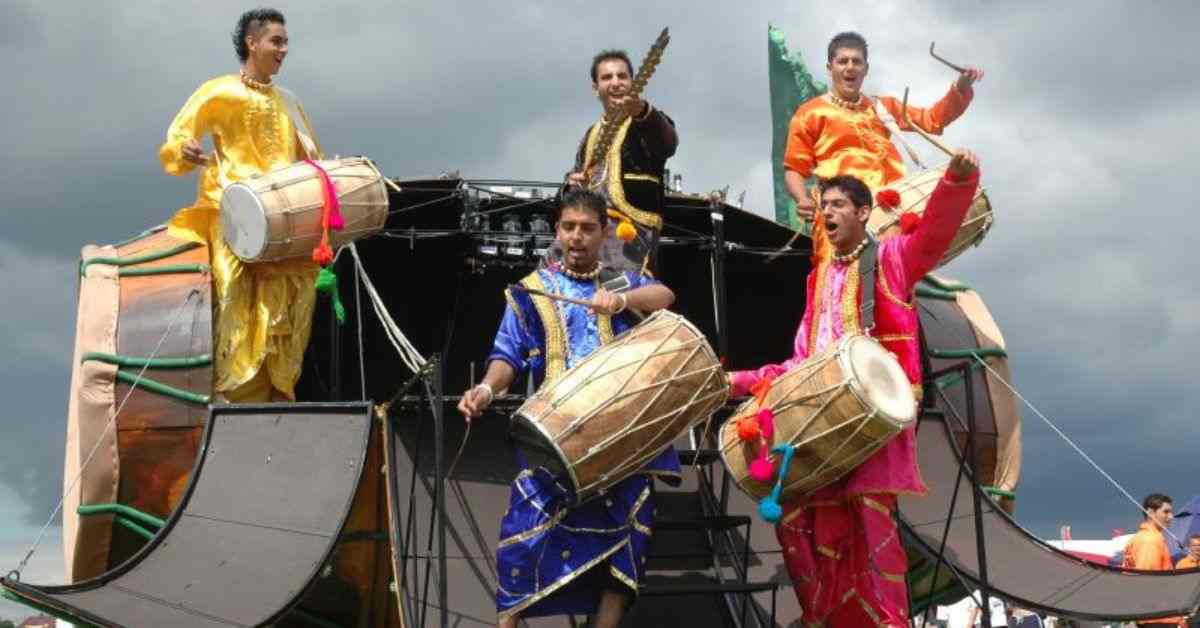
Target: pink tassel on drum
x=331, y=217
x=766, y=424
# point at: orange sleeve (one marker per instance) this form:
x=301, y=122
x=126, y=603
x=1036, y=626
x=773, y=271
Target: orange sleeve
x=800, y=155
x=1143, y=555
x=936, y=118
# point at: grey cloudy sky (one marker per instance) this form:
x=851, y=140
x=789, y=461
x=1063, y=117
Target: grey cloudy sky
x=1086, y=124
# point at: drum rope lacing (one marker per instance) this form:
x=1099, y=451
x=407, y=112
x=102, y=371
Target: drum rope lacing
x=1068, y=440
x=195, y=292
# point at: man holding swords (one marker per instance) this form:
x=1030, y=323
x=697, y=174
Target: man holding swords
x=848, y=132
x=629, y=171
x=587, y=559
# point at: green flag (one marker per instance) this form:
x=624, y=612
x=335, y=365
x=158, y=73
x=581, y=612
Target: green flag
x=791, y=86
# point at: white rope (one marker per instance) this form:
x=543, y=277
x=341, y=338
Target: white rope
x=107, y=426
x=1068, y=440
x=405, y=349
x=362, y=359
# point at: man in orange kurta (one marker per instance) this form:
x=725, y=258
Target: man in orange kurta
x=1147, y=549
x=1192, y=560
x=846, y=131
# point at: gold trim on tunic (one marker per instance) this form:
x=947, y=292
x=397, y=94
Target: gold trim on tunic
x=620, y=575
x=850, y=289
x=877, y=506
x=556, y=336
x=534, y=531
x=887, y=291
x=563, y=581
x=616, y=191
x=635, y=176
x=829, y=552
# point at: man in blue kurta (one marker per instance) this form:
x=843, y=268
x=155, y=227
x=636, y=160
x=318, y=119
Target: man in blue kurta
x=554, y=559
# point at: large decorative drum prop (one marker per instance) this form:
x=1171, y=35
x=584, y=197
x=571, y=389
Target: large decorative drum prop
x=915, y=191
x=622, y=405
x=836, y=409
x=277, y=215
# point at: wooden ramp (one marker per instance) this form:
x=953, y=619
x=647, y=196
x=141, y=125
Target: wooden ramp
x=266, y=504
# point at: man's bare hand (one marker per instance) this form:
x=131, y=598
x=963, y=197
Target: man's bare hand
x=474, y=402
x=575, y=178
x=193, y=152
x=969, y=77
x=632, y=105
x=806, y=209
x=605, y=302
x=964, y=164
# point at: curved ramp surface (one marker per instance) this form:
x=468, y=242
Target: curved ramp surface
x=267, y=501
x=1020, y=567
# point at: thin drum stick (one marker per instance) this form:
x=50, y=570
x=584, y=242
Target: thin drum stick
x=550, y=295
x=957, y=68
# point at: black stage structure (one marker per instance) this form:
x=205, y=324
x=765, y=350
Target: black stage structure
x=450, y=246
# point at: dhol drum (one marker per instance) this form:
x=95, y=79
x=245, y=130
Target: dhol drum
x=278, y=215
x=140, y=387
x=836, y=408
x=914, y=194
x=623, y=405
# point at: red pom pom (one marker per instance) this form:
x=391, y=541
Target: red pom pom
x=909, y=222
x=322, y=255
x=766, y=423
x=761, y=470
x=760, y=389
x=747, y=429
x=888, y=198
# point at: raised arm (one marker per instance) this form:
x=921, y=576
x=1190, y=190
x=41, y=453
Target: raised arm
x=658, y=132
x=936, y=118
x=944, y=213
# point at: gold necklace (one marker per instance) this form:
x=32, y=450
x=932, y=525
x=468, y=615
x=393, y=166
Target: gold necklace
x=591, y=274
x=250, y=82
x=852, y=254
x=846, y=104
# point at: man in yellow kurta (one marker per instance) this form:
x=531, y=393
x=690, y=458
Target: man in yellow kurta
x=1147, y=549
x=847, y=132
x=263, y=310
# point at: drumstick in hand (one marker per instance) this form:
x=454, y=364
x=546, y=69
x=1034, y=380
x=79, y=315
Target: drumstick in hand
x=550, y=295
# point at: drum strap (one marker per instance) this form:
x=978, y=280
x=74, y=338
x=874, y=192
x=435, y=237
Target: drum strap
x=300, y=122
x=867, y=265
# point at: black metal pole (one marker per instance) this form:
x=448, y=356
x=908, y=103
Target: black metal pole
x=335, y=353
x=980, y=548
x=717, y=215
x=718, y=276
x=439, y=463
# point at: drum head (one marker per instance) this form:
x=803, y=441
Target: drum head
x=878, y=379
x=243, y=222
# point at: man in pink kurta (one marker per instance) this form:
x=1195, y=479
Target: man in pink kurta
x=840, y=543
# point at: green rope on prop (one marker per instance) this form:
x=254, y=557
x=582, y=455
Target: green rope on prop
x=121, y=510
x=327, y=282
x=996, y=491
